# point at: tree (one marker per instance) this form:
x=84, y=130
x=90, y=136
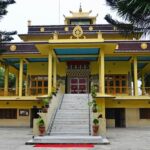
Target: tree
x=5, y=36
x=135, y=12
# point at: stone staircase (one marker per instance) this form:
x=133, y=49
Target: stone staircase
x=71, y=123
x=72, y=118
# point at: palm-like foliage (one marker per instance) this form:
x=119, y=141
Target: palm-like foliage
x=136, y=12
x=5, y=36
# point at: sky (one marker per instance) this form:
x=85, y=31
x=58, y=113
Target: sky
x=47, y=12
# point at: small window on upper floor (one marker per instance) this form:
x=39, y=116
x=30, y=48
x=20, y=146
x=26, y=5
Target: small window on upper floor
x=80, y=22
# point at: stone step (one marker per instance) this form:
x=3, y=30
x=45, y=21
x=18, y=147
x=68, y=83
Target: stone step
x=69, y=133
x=75, y=110
x=75, y=130
x=67, y=112
x=64, y=107
x=75, y=122
x=72, y=114
x=61, y=126
x=69, y=139
x=73, y=117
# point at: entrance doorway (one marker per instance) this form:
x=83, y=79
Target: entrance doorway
x=119, y=117
x=34, y=114
x=78, y=77
x=78, y=85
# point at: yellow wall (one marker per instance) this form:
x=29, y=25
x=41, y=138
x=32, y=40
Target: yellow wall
x=61, y=69
x=134, y=120
x=131, y=112
x=41, y=68
x=21, y=120
x=19, y=104
x=119, y=67
x=38, y=68
x=94, y=67
x=127, y=104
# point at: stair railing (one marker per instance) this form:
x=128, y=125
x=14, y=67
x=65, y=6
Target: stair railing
x=54, y=116
x=89, y=115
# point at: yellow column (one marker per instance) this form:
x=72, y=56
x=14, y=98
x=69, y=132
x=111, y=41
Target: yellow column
x=17, y=84
x=102, y=120
x=50, y=72
x=21, y=77
x=143, y=84
x=6, y=81
x=55, y=73
x=135, y=76
x=101, y=73
x=26, y=90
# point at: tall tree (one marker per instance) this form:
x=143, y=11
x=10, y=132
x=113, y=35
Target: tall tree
x=135, y=12
x=5, y=36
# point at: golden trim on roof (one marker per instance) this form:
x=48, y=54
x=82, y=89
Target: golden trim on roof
x=144, y=45
x=42, y=29
x=13, y=48
x=90, y=28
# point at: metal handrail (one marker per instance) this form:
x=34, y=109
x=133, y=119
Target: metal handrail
x=53, y=117
x=89, y=116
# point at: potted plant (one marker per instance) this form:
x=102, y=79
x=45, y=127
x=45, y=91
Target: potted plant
x=94, y=106
x=54, y=91
x=95, y=126
x=46, y=102
x=41, y=126
x=93, y=91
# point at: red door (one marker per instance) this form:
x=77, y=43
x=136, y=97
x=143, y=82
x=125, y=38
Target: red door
x=78, y=85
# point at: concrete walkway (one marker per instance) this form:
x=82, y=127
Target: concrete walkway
x=121, y=139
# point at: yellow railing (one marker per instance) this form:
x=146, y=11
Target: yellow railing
x=119, y=90
x=144, y=91
x=10, y=92
x=35, y=91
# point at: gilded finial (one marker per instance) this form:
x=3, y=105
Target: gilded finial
x=80, y=9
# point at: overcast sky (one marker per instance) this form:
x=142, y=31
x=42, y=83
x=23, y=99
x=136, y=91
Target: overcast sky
x=46, y=12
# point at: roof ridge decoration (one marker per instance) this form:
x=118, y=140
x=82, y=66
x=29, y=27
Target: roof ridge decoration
x=80, y=9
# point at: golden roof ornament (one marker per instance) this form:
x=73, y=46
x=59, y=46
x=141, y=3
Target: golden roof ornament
x=42, y=29
x=144, y=46
x=77, y=31
x=13, y=48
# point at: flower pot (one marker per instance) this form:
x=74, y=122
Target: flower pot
x=95, y=130
x=44, y=110
x=42, y=130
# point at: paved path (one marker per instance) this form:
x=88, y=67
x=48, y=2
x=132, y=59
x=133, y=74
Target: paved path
x=121, y=139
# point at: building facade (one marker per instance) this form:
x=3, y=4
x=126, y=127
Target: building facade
x=78, y=54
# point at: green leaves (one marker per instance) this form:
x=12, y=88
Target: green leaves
x=136, y=12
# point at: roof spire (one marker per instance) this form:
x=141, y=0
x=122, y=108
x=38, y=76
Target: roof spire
x=80, y=9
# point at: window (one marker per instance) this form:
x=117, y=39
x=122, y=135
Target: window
x=110, y=113
x=38, y=85
x=116, y=84
x=80, y=22
x=8, y=113
x=144, y=113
